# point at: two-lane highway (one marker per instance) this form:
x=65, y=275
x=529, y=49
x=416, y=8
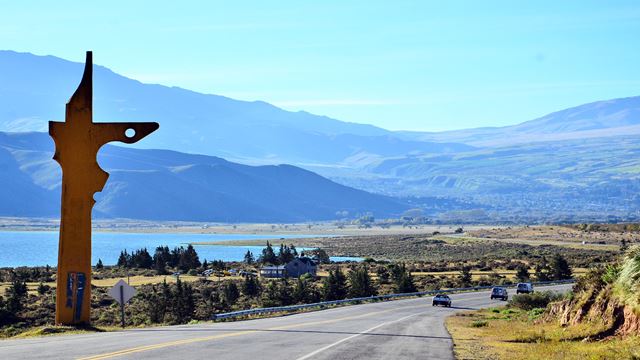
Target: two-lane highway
x=401, y=329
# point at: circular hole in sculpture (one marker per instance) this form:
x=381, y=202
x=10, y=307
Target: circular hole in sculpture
x=130, y=133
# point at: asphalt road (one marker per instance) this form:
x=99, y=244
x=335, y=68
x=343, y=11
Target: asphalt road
x=401, y=329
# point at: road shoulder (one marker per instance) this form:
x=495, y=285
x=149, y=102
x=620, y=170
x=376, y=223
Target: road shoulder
x=504, y=333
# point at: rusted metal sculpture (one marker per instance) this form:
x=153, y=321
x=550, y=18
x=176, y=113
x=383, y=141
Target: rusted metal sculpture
x=78, y=140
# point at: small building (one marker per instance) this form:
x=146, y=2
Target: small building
x=300, y=266
x=273, y=271
x=294, y=268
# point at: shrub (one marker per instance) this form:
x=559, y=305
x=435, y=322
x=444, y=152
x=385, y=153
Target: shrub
x=535, y=300
x=592, y=280
x=535, y=313
x=628, y=282
x=611, y=273
x=479, y=323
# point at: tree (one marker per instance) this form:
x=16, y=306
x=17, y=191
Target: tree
x=300, y=290
x=189, y=259
x=396, y=271
x=161, y=258
x=251, y=286
x=42, y=288
x=268, y=255
x=285, y=292
x=277, y=293
x=166, y=298
x=175, y=256
x=141, y=259
x=157, y=302
x=465, y=277
x=335, y=285
x=383, y=275
x=322, y=256
x=402, y=278
x=271, y=295
x=124, y=260
x=542, y=270
x=360, y=284
x=248, y=258
x=522, y=274
x=560, y=268
x=624, y=245
x=183, y=302
x=405, y=284
x=285, y=255
x=230, y=293
x=218, y=265
x=99, y=264
x=16, y=293
x=6, y=317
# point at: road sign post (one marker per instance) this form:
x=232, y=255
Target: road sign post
x=122, y=293
x=122, y=306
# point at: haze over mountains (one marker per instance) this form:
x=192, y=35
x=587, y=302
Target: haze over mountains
x=34, y=90
x=571, y=165
x=167, y=185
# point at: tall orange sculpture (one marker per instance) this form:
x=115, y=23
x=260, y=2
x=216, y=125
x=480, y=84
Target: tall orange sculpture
x=78, y=140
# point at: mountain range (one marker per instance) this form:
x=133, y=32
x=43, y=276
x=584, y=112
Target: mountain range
x=34, y=89
x=593, y=120
x=571, y=165
x=168, y=185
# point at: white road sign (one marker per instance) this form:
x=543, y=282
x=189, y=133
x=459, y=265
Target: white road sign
x=122, y=292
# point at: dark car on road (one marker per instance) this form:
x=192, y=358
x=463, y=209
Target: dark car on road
x=499, y=293
x=524, y=288
x=442, y=299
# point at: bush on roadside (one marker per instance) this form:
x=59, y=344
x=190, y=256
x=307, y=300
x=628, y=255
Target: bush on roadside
x=534, y=300
x=479, y=323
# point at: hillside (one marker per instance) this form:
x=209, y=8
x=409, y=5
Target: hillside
x=34, y=90
x=598, y=119
x=168, y=185
x=550, y=181
x=576, y=164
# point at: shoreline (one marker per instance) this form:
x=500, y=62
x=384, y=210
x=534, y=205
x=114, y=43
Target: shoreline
x=320, y=228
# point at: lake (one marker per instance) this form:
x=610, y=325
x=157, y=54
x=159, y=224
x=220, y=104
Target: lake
x=38, y=248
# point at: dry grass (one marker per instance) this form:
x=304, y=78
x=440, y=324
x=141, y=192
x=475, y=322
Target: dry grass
x=556, y=235
x=144, y=280
x=476, y=274
x=133, y=281
x=60, y=330
x=512, y=334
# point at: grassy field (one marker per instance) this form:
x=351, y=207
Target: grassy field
x=502, y=333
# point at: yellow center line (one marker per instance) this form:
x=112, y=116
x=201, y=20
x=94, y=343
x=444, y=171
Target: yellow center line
x=233, y=334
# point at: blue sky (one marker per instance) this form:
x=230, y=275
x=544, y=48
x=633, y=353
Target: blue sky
x=412, y=65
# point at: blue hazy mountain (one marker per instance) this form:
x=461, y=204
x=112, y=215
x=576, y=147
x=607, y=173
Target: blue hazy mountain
x=593, y=120
x=34, y=89
x=168, y=185
x=573, y=164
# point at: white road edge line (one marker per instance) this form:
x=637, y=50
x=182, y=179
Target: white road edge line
x=316, y=352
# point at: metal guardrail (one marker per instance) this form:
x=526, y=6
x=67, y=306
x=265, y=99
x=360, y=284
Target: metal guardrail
x=291, y=308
